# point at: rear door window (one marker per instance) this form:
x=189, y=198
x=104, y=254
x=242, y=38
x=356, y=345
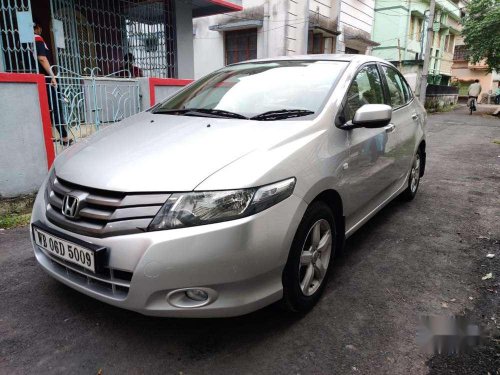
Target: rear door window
x=399, y=93
x=408, y=88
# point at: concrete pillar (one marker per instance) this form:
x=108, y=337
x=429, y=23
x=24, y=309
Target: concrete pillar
x=277, y=41
x=144, y=93
x=184, y=29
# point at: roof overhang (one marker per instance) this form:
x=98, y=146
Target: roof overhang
x=237, y=25
x=324, y=31
x=358, y=36
x=202, y=8
x=417, y=13
x=362, y=40
x=320, y=23
x=444, y=30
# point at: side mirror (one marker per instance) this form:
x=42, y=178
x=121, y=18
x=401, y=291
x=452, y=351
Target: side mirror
x=370, y=116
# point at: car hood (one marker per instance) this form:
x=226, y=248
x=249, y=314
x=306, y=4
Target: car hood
x=155, y=152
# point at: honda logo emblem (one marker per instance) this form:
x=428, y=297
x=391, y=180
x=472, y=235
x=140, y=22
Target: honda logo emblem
x=70, y=206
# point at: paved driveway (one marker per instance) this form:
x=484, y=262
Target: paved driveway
x=423, y=257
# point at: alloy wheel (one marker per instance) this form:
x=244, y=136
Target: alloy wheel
x=415, y=174
x=315, y=257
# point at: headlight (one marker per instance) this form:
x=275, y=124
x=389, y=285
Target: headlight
x=198, y=208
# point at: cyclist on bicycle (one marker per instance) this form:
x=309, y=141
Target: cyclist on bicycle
x=474, y=92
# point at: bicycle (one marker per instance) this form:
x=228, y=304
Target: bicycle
x=472, y=103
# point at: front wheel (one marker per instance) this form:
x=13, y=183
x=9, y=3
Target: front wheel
x=414, y=178
x=310, y=257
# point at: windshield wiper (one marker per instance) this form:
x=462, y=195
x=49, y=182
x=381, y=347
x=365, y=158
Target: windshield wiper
x=202, y=111
x=282, y=114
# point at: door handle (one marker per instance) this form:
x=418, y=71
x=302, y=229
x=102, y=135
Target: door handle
x=389, y=128
x=414, y=116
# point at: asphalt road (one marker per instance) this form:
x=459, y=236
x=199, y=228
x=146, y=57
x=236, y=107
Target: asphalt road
x=423, y=257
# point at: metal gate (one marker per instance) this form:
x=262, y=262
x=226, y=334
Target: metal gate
x=64, y=29
x=81, y=105
x=102, y=47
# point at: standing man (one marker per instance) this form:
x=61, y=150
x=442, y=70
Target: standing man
x=474, y=92
x=497, y=94
x=43, y=53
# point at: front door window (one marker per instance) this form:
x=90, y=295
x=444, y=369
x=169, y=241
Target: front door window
x=366, y=88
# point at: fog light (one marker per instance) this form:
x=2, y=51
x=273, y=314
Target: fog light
x=197, y=295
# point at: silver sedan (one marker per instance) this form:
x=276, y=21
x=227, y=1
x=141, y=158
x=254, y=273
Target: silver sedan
x=234, y=193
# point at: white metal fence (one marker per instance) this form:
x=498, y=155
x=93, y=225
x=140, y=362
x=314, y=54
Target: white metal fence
x=81, y=105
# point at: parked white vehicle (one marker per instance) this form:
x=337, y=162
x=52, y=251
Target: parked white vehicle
x=235, y=192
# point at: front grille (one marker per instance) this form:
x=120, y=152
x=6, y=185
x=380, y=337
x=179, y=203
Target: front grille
x=110, y=282
x=102, y=213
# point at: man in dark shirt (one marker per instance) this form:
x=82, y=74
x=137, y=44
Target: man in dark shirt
x=56, y=108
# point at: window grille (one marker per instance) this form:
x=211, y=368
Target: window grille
x=461, y=53
x=315, y=43
x=240, y=45
x=117, y=37
x=14, y=56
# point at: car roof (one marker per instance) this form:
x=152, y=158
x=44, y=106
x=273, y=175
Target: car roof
x=359, y=59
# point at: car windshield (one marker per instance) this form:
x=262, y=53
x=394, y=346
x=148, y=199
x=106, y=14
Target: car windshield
x=259, y=89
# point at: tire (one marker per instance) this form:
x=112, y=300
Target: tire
x=308, y=266
x=413, y=178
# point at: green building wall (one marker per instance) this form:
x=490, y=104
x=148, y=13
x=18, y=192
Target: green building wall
x=392, y=22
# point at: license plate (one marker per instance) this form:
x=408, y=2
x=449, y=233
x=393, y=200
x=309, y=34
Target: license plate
x=64, y=249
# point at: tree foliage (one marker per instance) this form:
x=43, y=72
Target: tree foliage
x=481, y=32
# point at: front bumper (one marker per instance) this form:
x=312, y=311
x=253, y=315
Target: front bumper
x=240, y=262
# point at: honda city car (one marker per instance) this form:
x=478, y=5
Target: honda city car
x=235, y=192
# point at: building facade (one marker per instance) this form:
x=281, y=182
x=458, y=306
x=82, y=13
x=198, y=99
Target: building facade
x=356, y=20
x=270, y=28
x=464, y=73
x=400, y=29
